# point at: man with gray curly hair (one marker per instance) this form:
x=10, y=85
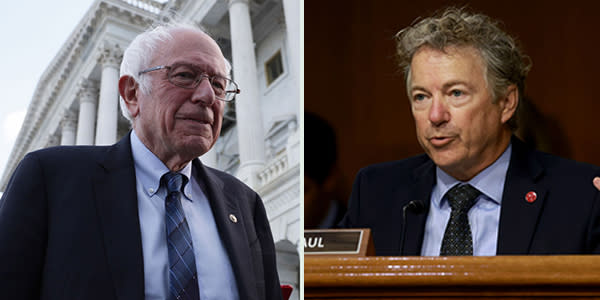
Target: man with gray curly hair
x=144, y=218
x=477, y=190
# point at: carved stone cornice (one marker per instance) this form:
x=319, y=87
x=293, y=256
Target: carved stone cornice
x=111, y=55
x=170, y=10
x=150, y=6
x=69, y=120
x=88, y=91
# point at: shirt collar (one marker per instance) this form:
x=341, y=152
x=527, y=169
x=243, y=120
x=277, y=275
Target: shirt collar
x=490, y=181
x=149, y=168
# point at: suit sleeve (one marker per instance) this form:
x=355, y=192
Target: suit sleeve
x=263, y=230
x=23, y=232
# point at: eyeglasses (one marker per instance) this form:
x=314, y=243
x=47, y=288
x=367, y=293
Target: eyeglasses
x=189, y=77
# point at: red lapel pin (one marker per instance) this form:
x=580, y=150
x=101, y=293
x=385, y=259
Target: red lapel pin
x=531, y=197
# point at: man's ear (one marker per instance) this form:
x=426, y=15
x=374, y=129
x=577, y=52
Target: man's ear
x=128, y=91
x=509, y=103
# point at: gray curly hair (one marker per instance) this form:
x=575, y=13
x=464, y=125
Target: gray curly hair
x=505, y=64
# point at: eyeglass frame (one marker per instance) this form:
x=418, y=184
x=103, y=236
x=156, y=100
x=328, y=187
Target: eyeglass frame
x=197, y=81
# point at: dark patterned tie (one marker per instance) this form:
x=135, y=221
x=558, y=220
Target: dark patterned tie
x=457, y=238
x=182, y=267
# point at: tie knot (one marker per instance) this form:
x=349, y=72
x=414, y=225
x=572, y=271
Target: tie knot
x=173, y=181
x=462, y=197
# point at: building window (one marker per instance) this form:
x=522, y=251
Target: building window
x=274, y=68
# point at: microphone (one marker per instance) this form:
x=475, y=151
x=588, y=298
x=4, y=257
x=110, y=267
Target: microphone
x=417, y=207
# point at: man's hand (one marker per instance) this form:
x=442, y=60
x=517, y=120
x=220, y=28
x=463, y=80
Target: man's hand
x=597, y=182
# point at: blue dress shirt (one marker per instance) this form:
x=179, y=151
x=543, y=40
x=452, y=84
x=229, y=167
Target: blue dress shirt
x=216, y=279
x=484, y=216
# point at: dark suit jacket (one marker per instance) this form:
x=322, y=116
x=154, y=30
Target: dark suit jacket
x=564, y=219
x=69, y=228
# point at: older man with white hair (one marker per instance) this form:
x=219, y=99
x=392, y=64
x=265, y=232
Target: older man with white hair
x=142, y=219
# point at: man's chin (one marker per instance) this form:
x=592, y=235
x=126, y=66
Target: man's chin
x=446, y=160
x=195, y=145
x=454, y=166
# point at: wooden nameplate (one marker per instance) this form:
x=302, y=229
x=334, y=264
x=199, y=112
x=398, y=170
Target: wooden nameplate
x=346, y=242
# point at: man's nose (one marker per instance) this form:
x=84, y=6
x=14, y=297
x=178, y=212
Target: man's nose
x=204, y=93
x=438, y=112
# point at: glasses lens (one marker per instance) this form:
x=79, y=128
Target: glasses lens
x=183, y=76
x=188, y=77
x=230, y=91
x=220, y=85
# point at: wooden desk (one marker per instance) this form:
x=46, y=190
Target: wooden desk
x=541, y=277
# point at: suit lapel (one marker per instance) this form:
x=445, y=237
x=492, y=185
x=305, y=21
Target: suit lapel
x=116, y=203
x=414, y=229
x=233, y=234
x=518, y=217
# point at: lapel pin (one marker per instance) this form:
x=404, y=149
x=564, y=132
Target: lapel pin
x=531, y=197
x=232, y=218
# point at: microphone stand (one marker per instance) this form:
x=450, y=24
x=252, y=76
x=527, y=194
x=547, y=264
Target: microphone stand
x=415, y=206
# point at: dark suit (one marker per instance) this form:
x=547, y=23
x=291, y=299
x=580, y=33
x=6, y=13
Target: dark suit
x=564, y=219
x=69, y=227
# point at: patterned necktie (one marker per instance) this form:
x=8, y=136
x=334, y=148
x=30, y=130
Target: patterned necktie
x=457, y=238
x=182, y=267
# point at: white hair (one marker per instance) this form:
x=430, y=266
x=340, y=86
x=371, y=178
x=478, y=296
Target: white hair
x=140, y=52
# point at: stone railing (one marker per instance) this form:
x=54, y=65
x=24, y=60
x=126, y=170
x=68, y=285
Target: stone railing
x=147, y=5
x=273, y=169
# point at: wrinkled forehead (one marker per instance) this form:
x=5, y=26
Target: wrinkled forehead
x=452, y=54
x=452, y=51
x=191, y=47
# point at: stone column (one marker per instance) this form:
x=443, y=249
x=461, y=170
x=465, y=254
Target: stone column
x=251, y=137
x=68, y=129
x=108, y=105
x=291, y=10
x=88, y=99
x=52, y=141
